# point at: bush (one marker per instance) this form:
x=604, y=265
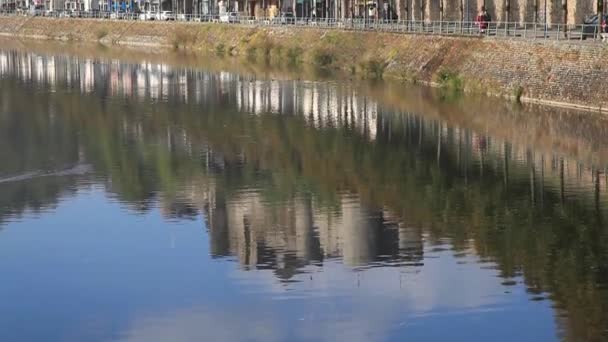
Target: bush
x=277, y=51
x=220, y=49
x=266, y=47
x=518, y=92
x=323, y=58
x=449, y=79
x=251, y=53
x=373, y=67
x=294, y=55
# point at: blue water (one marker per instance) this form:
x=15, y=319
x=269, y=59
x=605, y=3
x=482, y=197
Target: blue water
x=204, y=215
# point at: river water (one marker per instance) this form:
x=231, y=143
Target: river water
x=143, y=200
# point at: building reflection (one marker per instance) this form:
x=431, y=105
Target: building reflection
x=321, y=104
x=291, y=235
x=245, y=225
x=257, y=158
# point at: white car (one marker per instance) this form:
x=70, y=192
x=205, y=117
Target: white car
x=165, y=15
x=147, y=16
x=230, y=17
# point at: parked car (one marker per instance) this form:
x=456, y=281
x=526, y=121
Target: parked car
x=147, y=16
x=123, y=15
x=230, y=17
x=165, y=16
x=590, y=30
x=286, y=18
x=205, y=18
x=94, y=13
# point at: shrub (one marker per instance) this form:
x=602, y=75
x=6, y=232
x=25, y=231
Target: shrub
x=251, y=53
x=373, y=67
x=449, y=79
x=220, y=49
x=323, y=58
x=277, y=51
x=518, y=92
x=294, y=55
x=266, y=46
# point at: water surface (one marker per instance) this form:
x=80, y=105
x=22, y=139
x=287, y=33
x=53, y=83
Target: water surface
x=144, y=201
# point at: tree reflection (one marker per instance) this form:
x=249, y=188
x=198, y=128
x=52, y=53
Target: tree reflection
x=337, y=174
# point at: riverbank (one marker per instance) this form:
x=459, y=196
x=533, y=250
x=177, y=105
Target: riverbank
x=570, y=74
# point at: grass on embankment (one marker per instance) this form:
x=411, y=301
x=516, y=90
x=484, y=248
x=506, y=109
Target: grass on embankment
x=444, y=62
x=322, y=49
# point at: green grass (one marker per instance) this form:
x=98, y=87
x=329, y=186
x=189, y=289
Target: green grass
x=449, y=79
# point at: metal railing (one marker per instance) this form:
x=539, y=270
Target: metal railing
x=512, y=30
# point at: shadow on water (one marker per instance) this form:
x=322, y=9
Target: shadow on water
x=292, y=173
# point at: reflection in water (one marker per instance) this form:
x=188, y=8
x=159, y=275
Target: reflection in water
x=410, y=205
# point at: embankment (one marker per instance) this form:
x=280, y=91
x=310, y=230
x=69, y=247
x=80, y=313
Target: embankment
x=559, y=73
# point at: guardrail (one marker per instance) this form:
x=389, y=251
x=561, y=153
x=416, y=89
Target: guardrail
x=515, y=30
